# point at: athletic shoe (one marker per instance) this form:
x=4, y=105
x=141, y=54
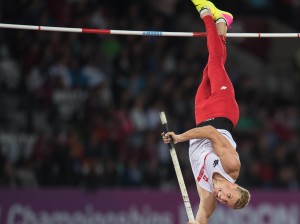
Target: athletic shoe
x=220, y=15
x=200, y=5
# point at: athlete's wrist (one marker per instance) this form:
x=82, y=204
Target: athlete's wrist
x=181, y=138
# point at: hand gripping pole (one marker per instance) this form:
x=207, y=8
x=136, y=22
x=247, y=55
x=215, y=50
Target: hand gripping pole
x=180, y=179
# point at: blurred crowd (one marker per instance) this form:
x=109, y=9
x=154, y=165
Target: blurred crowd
x=82, y=110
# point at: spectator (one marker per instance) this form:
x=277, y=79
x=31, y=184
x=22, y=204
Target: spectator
x=93, y=101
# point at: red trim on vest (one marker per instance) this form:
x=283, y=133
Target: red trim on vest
x=201, y=173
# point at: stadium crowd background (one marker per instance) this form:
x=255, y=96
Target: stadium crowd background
x=80, y=110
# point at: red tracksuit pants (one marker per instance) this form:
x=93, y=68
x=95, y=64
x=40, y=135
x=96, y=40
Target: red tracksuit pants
x=215, y=95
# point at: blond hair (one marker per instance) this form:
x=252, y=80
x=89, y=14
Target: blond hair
x=244, y=199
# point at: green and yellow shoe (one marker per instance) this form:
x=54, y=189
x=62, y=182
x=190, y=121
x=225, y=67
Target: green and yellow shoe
x=218, y=14
x=200, y=5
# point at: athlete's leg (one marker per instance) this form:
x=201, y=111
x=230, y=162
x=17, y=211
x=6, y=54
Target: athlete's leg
x=223, y=20
x=222, y=30
x=217, y=55
x=221, y=102
x=203, y=91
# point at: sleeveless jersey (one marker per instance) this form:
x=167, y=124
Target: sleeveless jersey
x=205, y=162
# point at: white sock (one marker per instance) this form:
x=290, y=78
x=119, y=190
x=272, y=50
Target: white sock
x=221, y=20
x=203, y=10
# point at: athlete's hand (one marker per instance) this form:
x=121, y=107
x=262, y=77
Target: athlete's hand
x=167, y=137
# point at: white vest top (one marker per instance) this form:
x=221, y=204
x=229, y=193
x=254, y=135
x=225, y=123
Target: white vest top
x=205, y=162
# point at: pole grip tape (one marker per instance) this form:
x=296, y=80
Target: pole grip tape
x=166, y=129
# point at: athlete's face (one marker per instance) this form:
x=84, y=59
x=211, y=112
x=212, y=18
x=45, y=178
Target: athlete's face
x=227, y=194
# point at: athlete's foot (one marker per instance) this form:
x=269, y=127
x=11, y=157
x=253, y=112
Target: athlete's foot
x=219, y=15
x=201, y=5
x=221, y=29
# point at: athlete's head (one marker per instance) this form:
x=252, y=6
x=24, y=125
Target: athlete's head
x=232, y=195
x=244, y=199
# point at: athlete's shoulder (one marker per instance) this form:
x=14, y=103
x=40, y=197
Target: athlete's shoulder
x=228, y=136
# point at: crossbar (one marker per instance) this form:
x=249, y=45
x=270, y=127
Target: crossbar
x=143, y=33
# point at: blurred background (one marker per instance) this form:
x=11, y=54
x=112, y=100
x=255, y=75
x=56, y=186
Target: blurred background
x=79, y=113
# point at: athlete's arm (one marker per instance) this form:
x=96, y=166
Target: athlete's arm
x=222, y=147
x=226, y=152
x=195, y=133
x=205, y=211
x=206, y=207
